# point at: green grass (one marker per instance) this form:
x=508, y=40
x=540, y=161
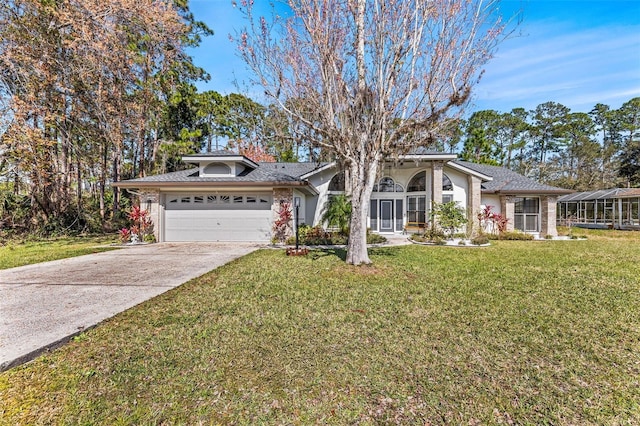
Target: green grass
x=14, y=253
x=520, y=332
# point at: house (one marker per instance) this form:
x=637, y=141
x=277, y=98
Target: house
x=617, y=208
x=228, y=197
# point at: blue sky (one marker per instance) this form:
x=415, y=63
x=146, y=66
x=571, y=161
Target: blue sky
x=575, y=52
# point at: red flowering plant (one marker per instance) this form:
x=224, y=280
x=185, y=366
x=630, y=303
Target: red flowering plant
x=283, y=223
x=141, y=228
x=496, y=223
x=125, y=235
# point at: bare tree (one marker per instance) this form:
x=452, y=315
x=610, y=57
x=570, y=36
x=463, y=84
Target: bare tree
x=81, y=82
x=370, y=77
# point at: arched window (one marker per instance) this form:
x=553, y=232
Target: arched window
x=337, y=183
x=418, y=183
x=387, y=184
x=446, y=183
x=217, y=169
x=447, y=189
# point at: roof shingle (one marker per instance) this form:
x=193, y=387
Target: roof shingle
x=508, y=181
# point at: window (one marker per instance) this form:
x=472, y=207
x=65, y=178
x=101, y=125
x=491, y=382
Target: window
x=198, y=199
x=446, y=183
x=387, y=184
x=399, y=215
x=447, y=189
x=185, y=199
x=238, y=199
x=527, y=214
x=418, y=183
x=224, y=199
x=373, y=214
x=212, y=198
x=251, y=199
x=416, y=209
x=217, y=169
x=337, y=183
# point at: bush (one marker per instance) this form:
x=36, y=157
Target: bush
x=433, y=233
x=480, y=240
x=449, y=216
x=512, y=235
x=375, y=238
x=317, y=236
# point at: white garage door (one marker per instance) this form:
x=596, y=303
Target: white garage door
x=218, y=217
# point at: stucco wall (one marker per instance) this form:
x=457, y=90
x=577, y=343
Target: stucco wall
x=315, y=204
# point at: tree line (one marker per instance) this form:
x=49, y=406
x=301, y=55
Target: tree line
x=93, y=92
x=574, y=150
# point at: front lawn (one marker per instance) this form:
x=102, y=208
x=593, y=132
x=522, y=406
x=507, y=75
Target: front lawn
x=17, y=253
x=543, y=332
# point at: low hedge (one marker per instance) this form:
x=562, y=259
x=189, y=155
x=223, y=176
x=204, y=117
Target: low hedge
x=318, y=236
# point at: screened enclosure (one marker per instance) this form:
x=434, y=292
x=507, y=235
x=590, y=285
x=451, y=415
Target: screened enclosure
x=609, y=208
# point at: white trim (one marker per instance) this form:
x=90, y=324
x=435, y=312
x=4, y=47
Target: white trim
x=428, y=157
x=196, y=159
x=321, y=169
x=469, y=171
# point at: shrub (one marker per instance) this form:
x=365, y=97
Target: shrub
x=480, y=240
x=439, y=241
x=337, y=213
x=496, y=222
x=449, y=216
x=375, y=238
x=513, y=236
x=315, y=236
x=433, y=233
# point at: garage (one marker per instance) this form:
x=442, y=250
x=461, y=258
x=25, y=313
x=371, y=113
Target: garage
x=218, y=217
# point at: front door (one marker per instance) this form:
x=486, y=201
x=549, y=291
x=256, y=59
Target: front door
x=386, y=215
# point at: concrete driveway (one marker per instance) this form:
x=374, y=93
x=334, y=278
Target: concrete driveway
x=43, y=305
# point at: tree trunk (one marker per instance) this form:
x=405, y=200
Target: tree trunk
x=115, y=177
x=362, y=178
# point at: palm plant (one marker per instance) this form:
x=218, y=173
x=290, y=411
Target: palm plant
x=337, y=213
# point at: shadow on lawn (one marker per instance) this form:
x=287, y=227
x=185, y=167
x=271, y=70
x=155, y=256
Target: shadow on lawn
x=342, y=253
x=320, y=253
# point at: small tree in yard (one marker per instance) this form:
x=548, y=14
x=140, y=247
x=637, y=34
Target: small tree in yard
x=449, y=216
x=368, y=80
x=337, y=212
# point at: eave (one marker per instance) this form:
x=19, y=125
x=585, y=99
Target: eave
x=528, y=192
x=303, y=185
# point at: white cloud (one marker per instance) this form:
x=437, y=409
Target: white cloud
x=577, y=69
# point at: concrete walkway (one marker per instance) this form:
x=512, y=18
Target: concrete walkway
x=44, y=305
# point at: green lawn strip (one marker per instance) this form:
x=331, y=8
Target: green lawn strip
x=15, y=254
x=524, y=332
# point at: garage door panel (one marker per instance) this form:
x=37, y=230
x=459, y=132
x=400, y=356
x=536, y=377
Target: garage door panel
x=198, y=222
